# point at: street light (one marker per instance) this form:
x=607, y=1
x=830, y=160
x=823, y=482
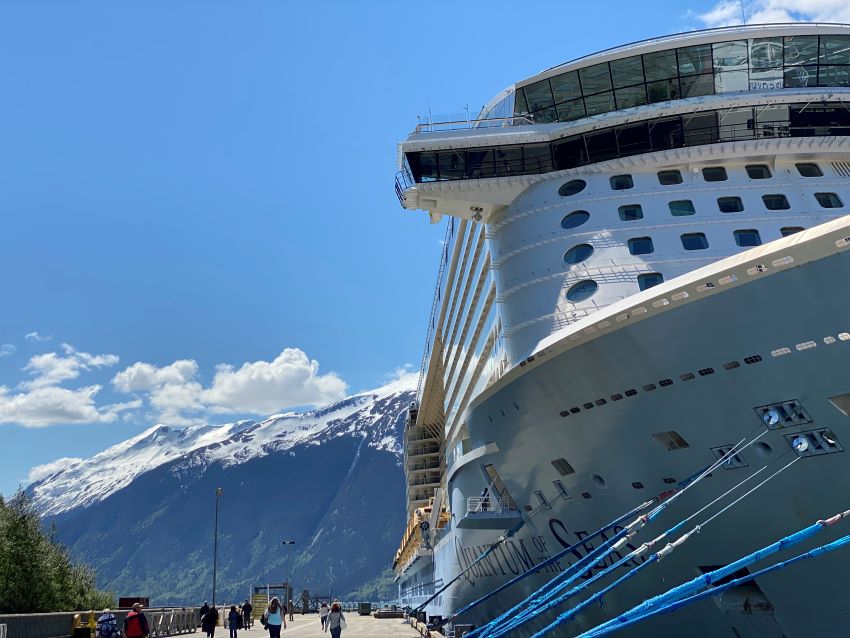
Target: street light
x=218, y=493
x=290, y=592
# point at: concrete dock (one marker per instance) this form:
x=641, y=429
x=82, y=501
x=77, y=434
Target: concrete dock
x=309, y=626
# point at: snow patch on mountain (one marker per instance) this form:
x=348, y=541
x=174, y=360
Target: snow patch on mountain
x=372, y=415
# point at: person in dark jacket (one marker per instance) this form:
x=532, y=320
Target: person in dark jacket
x=247, y=608
x=203, y=611
x=209, y=621
x=135, y=624
x=233, y=620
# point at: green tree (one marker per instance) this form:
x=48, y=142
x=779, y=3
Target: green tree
x=36, y=572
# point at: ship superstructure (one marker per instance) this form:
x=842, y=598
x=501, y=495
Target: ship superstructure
x=644, y=255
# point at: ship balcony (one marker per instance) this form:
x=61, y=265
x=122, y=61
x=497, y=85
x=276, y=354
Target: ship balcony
x=429, y=479
x=489, y=512
x=424, y=466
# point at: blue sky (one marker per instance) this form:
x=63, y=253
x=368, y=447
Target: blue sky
x=198, y=218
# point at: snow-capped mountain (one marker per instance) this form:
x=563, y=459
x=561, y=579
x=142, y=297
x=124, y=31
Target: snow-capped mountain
x=92, y=480
x=141, y=512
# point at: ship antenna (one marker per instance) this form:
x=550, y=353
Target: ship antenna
x=743, y=14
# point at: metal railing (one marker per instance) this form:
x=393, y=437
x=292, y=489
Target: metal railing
x=403, y=181
x=172, y=622
x=430, y=125
x=476, y=504
x=2, y=631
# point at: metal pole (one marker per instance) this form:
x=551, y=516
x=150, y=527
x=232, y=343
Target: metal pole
x=215, y=543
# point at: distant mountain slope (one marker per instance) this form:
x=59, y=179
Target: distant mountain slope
x=142, y=511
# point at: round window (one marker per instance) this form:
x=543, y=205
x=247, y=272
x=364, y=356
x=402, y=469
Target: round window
x=576, y=219
x=572, y=187
x=578, y=254
x=582, y=290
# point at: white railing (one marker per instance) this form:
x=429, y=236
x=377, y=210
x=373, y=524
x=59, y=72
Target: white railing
x=496, y=504
x=171, y=622
x=2, y=631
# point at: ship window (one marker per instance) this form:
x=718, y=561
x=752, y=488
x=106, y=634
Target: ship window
x=599, y=103
x=665, y=382
x=660, y=65
x=705, y=372
x=588, y=406
x=808, y=169
x=627, y=71
x=695, y=59
x=730, y=204
x=694, y=241
x=601, y=146
x=621, y=182
x=669, y=178
x=829, y=200
x=600, y=402
x=670, y=440
x=572, y=187
x=833, y=75
x=544, y=503
x=714, y=174
x=539, y=95
x=790, y=230
x=637, y=485
x=561, y=489
x=754, y=358
x=662, y=91
x=641, y=245
x=571, y=110
x=617, y=397
x=632, y=96
x=747, y=238
x=586, y=496
x=669, y=480
x=578, y=254
x=575, y=410
x=688, y=376
x=758, y=171
x=681, y=208
x=582, y=291
x=696, y=85
x=595, y=79
x=565, y=413
x=630, y=212
x=575, y=219
x=650, y=279
x=649, y=387
x=835, y=49
x=630, y=393
x=563, y=467
x=565, y=87
x=731, y=365
x=775, y=202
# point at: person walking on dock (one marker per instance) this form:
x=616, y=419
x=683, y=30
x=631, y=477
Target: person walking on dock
x=275, y=618
x=136, y=624
x=107, y=626
x=209, y=621
x=247, y=608
x=336, y=620
x=324, y=610
x=290, y=607
x=204, y=611
x=233, y=620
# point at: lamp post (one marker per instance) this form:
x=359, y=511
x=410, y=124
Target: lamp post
x=289, y=593
x=215, y=542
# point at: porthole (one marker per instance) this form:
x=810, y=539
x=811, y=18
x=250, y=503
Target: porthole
x=650, y=279
x=575, y=219
x=600, y=482
x=621, y=182
x=572, y=187
x=582, y=291
x=730, y=204
x=775, y=202
x=714, y=174
x=694, y=241
x=578, y=254
x=790, y=230
x=807, y=169
x=747, y=238
x=829, y=200
x=669, y=178
x=641, y=245
x=630, y=212
x=681, y=208
x=758, y=171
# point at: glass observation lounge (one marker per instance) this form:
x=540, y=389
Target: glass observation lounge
x=753, y=64
x=771, y=120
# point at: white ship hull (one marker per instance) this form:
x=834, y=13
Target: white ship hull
x=611, y=448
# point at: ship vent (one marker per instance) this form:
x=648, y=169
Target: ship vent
x=670, y=440
x=783, y=414
x=563, y=467
x=842, y=168
x=816, y=442
x=736, y=460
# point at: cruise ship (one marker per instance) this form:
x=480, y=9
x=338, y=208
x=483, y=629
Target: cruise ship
x=646, y=261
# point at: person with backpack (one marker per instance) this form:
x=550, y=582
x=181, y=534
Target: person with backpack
x=274, y=617
x=336, y=620
x=234, y=619
x=209, y=621
x=136, y=624
x=107, y=625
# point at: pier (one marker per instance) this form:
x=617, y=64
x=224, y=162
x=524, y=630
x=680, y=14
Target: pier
x=309, y=626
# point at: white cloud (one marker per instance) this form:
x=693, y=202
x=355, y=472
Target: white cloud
x=34, y=336
x=51, y=369
x=257, y=387
x=728, y=12
x=43, y=471
x=41, y=406
x=7, y=349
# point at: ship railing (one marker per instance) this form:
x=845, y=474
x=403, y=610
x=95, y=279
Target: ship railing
x=476, y=504
x=429, y=124
x=403, y=181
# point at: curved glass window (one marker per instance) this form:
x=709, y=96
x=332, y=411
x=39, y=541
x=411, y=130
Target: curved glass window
x=575, y=219
x=775, y=202
x=630, y=212
x=714, y=174
x=808, y=169
x=669, y=178
x=582, y=291
x=572, y=187
x=790, y=230
x=694, y=241
x=681, y=208
x=641, y=245
x=758, y=171
x=730, y=204
x=650, y=279
x=747, y=238
x=621, y=182
x=829, y=200
x=578, y=254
